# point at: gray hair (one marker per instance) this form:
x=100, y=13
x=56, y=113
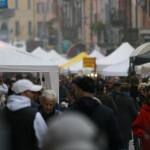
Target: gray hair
x=50, y=94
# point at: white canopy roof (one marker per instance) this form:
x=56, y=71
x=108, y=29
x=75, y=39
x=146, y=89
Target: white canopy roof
x=52, y=56
x=144, y=48
x=143, y=69
x=41, y=53
x=120, y=54
x=56, y=58
x=14, y=60
x=120, y=69
x=96, y=54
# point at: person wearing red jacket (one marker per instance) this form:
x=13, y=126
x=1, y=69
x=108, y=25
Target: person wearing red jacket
x=141, y=126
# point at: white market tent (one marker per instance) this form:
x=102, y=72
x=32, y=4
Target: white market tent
x=120, y=69
x=78, y=67
x=56, y=58
x=96, y=54
x=143, y=70
x=142, y=49
x=41, y=53
x=121, y=54
x=14, y=60
x=140, y=59
x=52, y=56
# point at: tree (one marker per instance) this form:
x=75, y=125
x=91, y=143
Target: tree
x=98, y=27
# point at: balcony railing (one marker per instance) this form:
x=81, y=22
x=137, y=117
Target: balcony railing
x=7, y=12
x=118, y=17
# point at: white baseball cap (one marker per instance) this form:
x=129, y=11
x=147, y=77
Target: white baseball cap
x=25, y=85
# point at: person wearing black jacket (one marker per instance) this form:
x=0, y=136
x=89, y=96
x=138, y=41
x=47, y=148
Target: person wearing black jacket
x=92, y=107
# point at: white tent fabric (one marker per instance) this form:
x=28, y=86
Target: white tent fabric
x=144, y=48
x=52, y=56
x=143, y=70
x=41, y=53
x=96, y=54
x=78, y=67
x=14, y=60
x=56, y=58
x=120, y=69
x=120, y=54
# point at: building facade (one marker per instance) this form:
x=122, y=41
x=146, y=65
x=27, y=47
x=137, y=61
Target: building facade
x=106, y=23
x=22, y=23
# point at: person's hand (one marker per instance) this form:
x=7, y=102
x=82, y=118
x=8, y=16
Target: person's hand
x=146, y=136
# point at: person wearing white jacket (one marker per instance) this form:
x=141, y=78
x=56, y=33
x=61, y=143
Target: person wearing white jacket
x=3, y=92
x=26, y=124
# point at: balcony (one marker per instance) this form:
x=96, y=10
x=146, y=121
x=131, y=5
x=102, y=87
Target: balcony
x=118, y=18
x=6, y=13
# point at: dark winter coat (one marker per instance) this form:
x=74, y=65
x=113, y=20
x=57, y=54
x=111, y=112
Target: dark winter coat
x=103, y=117
x=128, y=113
x=48, y=116
x=21, y=126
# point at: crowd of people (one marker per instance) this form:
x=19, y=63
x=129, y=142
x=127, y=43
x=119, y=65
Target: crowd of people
x=91, y=113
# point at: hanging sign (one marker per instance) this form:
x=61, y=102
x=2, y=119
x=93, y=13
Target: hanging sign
x=89, y=62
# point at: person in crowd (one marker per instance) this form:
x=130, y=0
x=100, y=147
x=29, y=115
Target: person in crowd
x=64, y=106
x=73, y=131
x=100, y=79
x=71, y=96
x=92, y=107
x=142, y=89
x=10, y=84
x=115, y=92
x=116, y=79
x=63, y=91
x=141, y=126
x=109, y=84
x=128, y=113
x=27, y=125
x=134, y=92
x=106, y=99
x=3, y=92
x=5, y=133
x=35, y=101
x=48, y=101
x=19, y=76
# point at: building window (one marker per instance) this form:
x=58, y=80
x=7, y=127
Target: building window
x=29, y=28
x=4, y=27
x=40, y=8
x=17, y=26
x=29, y=4
x=16, y=4
x=39, y=26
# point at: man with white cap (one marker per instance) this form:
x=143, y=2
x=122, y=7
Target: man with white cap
x=26, y=124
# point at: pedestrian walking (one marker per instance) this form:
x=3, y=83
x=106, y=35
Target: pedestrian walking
x=127, y=113
x=26, y=124
x=48, y=101
x=92, y=107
